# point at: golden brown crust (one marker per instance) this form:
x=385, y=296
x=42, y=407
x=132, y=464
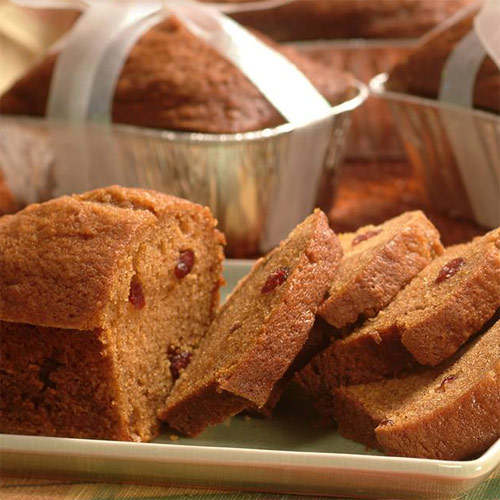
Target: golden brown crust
x=173, y=80
x=36, y=362
x=455, y=431
x=363, y=357
x=256, y=336
x=456, y=415
x=420, y=73
x=375, y=269
x=359, y=409
x=70, y=269
x=427, y=319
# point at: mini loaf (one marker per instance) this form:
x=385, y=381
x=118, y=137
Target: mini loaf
x=448, y=413
x=420, y=73
x=320, y=19
x=259, y=332
x=104, y=297
x=173, y=80
x=426, y=323
x=378, y=262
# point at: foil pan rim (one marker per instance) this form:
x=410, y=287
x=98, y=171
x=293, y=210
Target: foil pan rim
x=377, y=87
x=354, y=43
x=361, y=94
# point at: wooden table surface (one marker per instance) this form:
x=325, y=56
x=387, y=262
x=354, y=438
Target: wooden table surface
x=56, y=489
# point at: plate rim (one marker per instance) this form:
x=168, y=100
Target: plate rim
x=460, y=475
x=220, y=455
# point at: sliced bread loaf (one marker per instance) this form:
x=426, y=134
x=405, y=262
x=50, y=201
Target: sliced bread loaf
x=427, y=321
x=103, y=299
x=259, y=331
x=450, y=412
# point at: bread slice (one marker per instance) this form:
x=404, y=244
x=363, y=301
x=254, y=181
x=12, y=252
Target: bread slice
x=450, y=300
x=103, y=298
x=378, y=262
x=427, y=321
x=258, y=332
x=447, y=413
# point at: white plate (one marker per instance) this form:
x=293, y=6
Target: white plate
x=284, y=454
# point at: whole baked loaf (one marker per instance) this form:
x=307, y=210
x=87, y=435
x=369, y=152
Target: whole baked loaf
x=420, y=73
x=449, y=412
x=317, y=19
x=259, y=332
x=104, y=297
x=173, y=80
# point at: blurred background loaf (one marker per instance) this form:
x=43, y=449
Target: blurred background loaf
x=364, y=37
x=333, y=19
x=376, y=181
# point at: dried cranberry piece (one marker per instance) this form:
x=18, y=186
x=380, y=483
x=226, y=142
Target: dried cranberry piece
x=449, y=269
x=136, y=293
x=185, y=263
x=276, y=279
x=445, y=382
x=365, y=236
x=178, y=360
x=386, y=421
x=48, y=366
x=235, y=327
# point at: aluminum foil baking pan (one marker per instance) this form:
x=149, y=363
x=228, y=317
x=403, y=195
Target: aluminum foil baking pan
x=455, y=153
x=259, y=185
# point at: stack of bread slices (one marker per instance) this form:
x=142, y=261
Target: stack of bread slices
x=413, y=365
x=412, y=357
x=110, y=328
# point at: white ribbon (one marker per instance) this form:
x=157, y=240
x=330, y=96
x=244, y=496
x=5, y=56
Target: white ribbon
x=487, y=27
x=481, y=178
x=83, y=4
x=94, y=52
x=75, y=72
x=460, y=71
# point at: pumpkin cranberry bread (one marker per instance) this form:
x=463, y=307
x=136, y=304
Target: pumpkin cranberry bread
x=174, y=80
x=103, y=298
x=420, y=73
x=378, y=262
x=317, y=19
x=448, y=413
x=8, y=204
x=258, y=332
x=427, y=322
